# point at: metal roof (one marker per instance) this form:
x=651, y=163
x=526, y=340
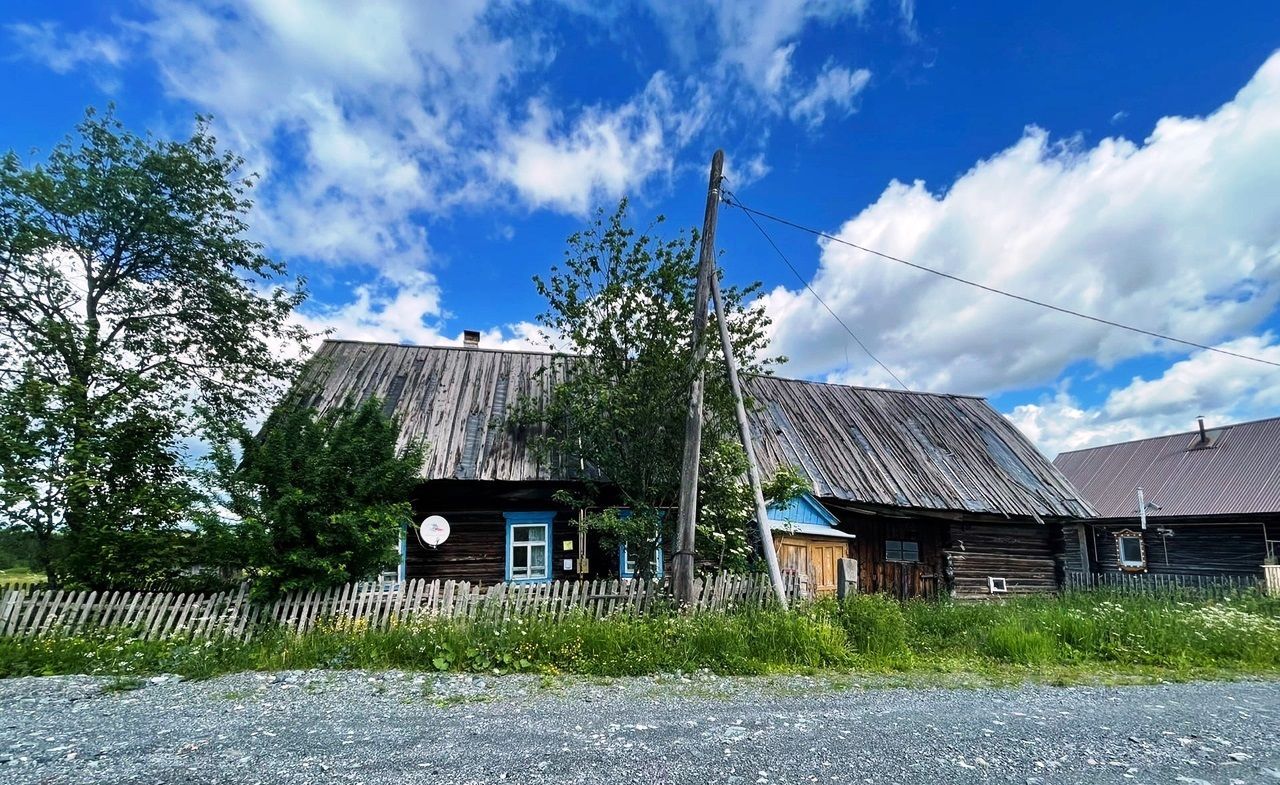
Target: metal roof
x=1238, y=474
x=874, y=447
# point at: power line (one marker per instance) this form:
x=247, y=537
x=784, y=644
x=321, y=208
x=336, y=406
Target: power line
x=725, y=196
x=750, y=212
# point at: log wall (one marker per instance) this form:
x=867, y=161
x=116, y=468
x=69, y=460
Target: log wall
x=1024, y=554
x=1195, y=548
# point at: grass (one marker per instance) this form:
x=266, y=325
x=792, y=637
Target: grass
x=1092, y=637
x=20, y=575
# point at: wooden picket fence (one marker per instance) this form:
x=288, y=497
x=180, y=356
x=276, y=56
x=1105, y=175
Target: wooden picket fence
x=1146, y=583
x=154, y=615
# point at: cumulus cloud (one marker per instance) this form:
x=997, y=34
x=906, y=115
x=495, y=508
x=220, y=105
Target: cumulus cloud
x=835, y=87
x=1179, y=233
x=600, y=156
x=1223, y=389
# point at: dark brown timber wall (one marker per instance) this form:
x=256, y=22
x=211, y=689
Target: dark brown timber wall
x=876, y=574
x=1022, y=554
x=1194, y=548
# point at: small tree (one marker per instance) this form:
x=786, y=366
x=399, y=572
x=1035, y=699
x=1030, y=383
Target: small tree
x=134, y=314
x=320, y=499
x=727, y=535
x=622, y=304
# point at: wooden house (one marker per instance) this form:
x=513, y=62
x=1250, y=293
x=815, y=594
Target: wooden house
x=1211, y=498
x=930, y=493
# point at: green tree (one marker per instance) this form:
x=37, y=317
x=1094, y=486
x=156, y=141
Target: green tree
x=622, y=305
x=136, y=316
x=319, y=498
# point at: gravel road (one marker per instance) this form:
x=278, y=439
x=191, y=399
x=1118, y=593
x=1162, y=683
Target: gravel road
x=355, y=727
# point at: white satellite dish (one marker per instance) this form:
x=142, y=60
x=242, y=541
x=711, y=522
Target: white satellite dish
x=434, y=530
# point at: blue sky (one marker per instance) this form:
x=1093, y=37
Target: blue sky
x=421, y=161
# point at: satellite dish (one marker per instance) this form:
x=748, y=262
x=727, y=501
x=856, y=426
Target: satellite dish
x=434, y=530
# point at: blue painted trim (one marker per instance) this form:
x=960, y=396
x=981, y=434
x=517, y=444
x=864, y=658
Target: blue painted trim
x=530, y=519
x=659, y=568
x=404, y=552
x=802, y=509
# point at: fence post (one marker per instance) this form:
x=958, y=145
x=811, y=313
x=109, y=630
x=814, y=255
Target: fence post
x=846, y=578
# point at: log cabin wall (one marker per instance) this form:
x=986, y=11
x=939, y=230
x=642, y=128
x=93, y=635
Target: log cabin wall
x=477, y=546
x=1196, y=547
x=1023, y=554
x=877, y=573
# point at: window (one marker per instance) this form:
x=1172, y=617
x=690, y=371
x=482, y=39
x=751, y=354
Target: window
x=1131, y=552
x=901, y=550
x=529, y=546
x=627, y=565
x=997, y=585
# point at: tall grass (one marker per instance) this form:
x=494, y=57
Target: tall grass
x=1097, y=632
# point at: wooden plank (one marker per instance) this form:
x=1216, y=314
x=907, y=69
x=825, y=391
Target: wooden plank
x=86, y=608
x=34, y=600
x=40, y=610
x=11, y=601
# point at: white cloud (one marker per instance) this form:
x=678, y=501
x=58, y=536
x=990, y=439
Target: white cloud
x=836, y=87
x=61, y=51
x=601, y=156
x=1223, y=389
x=1178, y=234
x=756, y=36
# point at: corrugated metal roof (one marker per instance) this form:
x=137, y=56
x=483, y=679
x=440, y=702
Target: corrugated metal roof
x=875, y=447
x=1238, y=474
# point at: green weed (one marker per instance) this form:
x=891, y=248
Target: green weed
x=1080, y=637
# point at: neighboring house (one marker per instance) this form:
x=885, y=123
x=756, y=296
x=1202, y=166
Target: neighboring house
x=939, y=492
x=1212, y=499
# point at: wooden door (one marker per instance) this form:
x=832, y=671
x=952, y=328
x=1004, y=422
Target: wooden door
x=816, y=557
x=824, y=558
x=793, y=555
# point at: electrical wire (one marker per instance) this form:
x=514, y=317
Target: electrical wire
x=726, y=195
x=750, y=212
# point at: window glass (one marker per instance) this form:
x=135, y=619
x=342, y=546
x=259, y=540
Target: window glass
x=527, y=552
x=901, y=550
x=1131, y=552
x=628, y=566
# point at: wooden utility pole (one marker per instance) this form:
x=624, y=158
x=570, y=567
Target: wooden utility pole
x=744, y=430
x=686, y=524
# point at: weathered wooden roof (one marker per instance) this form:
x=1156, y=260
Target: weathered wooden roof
x=1237, y=473
x=859, y=445
x=892, y=448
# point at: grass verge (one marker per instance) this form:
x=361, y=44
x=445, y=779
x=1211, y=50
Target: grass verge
x=1094, y=637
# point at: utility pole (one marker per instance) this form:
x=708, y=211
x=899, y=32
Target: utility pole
x=744, y=430
x=686, y=525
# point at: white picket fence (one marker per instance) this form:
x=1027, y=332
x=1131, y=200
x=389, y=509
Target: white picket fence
x=153, y=615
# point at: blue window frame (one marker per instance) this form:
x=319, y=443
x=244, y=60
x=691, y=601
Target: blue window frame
x=627, y=565
x=529, y=546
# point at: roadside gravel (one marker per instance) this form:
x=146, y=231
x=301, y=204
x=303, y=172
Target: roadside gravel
x=356, y=727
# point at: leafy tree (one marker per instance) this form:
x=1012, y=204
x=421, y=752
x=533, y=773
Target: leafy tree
x=320, y=498
x=135, y=314
x=727, y=535
x=622, y=304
